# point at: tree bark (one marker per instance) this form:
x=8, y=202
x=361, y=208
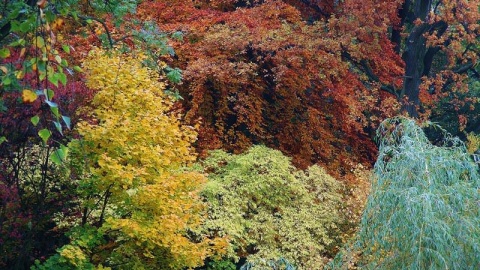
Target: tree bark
x=415, y=50
x=414, y=57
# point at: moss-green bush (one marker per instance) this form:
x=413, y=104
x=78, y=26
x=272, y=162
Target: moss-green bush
x=269, y=209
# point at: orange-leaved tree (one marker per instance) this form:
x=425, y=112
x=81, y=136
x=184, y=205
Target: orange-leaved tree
x=438, y=41
x=260, y=72
x=440, y=46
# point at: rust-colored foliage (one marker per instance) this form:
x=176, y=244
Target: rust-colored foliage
x=258, y=72
x=440, y=49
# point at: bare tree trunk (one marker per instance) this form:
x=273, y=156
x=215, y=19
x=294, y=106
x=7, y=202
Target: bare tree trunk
x=414, y=54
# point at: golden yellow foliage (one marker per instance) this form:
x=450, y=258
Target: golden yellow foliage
x=136, y=148
x=473, y=142
x=28, y=96
x=73, y=254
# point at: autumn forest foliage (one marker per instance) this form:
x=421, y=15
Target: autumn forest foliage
x=239, y=134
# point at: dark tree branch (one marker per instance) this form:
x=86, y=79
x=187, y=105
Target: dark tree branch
x=5, y=31
x=440, y=27
x=428, y=60
x=365, y=67
x=396, y=37
x=104, y=206
x=436, y=7
x=368, y=70
x=107, y=31
x=475, y=74
x=463, y=68
x=316, y=8
x=422, y=8
x=391, y=90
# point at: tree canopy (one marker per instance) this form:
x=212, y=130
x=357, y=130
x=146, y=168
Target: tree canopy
x=218, y=134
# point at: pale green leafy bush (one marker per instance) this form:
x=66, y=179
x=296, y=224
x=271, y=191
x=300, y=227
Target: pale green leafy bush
x=269, y=210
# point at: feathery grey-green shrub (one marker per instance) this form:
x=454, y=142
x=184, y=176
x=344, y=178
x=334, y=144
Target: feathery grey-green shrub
x=424, y=208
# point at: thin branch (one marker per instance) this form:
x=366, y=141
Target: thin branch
x=104, y=206
x=107, y=31
x=391, y=90
x=365, y=67
x=463, y=68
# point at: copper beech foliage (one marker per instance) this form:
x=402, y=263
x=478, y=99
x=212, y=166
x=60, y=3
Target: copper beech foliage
x=259, y=71
x=440, y=50
x=312, y=78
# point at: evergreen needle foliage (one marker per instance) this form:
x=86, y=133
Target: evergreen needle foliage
x=423, y=212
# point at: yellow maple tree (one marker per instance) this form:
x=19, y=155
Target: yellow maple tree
x=129, y=164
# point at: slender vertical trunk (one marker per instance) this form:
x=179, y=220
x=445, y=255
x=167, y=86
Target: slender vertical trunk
x=414, y=56
x=415, y=49
x=396, y=37
x=104, y=206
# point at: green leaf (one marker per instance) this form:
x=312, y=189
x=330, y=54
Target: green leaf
x=64, y=148
x=35, y=120
x=6, y=81
x=55, y=157
x=18, y=42
x=178, y=36
x=174, y=75
x=42, y=75
x=67, y=121
x=63, y=78
x=174, y=94
x=2, y=139
x=50, y=15
x=55, y=111
x=58, y=126
x=53, y=79
x=41, y=65
x=77, y=69
x=4, y=53
x=50, y=94
x=14, y=24
x=66, y=48
x=25, y=27
x=44, y=134
x=59, y=155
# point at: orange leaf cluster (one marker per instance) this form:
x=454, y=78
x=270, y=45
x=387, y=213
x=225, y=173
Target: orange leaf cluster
x=260, y=73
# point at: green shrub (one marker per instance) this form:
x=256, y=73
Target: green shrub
x=269, y=209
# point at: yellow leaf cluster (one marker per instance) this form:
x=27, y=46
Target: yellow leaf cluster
x=139, y=148
x=136, y=136
x=473, y=142
x=73, y=255
x=28, y=96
